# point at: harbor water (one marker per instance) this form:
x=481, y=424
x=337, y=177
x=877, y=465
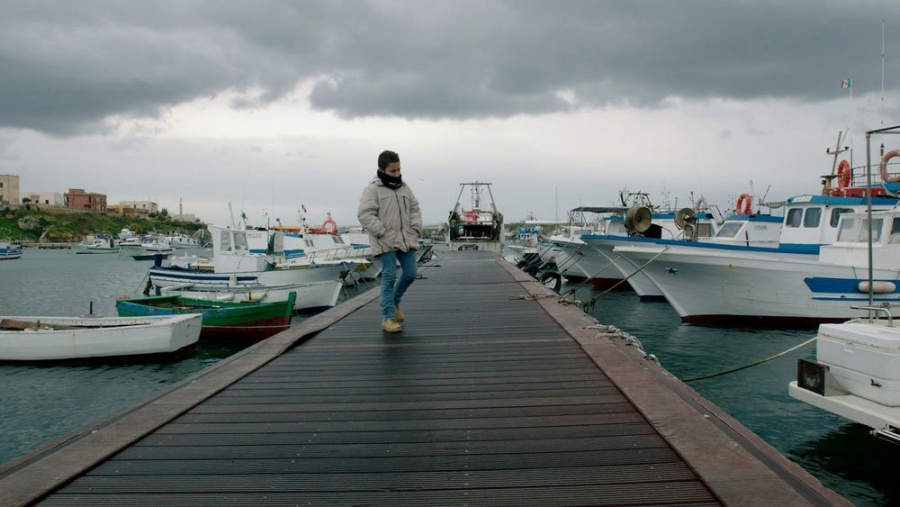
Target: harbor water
x=43, y=403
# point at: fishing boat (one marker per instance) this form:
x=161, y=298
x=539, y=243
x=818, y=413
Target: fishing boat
x=182, y=240
x=635, y=220
x=78, y=338
x=856, y=373
x=100, y=244
x=311, y=297
x=302, y=243
x=221, y=319
x=807, y=279
x=8, y=251
x=478, y=226
x=245, y=257
x=151, y=246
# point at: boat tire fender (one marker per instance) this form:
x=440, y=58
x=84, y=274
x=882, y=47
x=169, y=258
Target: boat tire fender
x=552, y=280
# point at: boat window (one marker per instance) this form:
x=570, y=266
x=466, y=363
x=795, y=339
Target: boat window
x=309, y=243
x=240, y=242
x=616, y=228
x=849, y=231
x=813, y=218
x=877, y=226
x=895, y=231
x=729, y=229
x=338, y=240
x=856, y=230
x=794, y=218
x=836, y=215
x=225, y=242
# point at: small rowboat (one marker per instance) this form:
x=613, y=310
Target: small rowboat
x=71, y=338
x=221, y=319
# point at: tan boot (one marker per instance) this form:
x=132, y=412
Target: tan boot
x=398, y=314
x=391, y=326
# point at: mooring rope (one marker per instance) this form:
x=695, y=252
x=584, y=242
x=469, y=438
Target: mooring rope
x=593, y=300
x=761, y=361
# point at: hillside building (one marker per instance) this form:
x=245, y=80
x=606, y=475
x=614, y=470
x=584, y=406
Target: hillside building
x=45, y=199
x=9, y=190
x=77, y=198
x=134, y=209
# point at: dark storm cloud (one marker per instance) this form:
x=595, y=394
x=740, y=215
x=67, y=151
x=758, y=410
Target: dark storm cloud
x=68, y=66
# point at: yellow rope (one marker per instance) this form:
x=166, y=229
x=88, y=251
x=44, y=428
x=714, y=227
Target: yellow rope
x=807, y=342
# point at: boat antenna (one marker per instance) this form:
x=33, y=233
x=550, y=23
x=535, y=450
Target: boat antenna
x=882, y=72
x=827, y=179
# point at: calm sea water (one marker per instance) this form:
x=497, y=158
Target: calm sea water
x=841, y=454
x=41, y=403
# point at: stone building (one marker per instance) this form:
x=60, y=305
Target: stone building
x=9, y=190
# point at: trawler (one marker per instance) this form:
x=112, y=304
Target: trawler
x=476, y=227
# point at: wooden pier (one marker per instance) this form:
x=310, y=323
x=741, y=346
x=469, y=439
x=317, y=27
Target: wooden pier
x=495, y=393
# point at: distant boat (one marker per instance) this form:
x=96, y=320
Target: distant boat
x=182, y=240
x=9, y=252
x=477, y=227
x=101, y=244
x=221, y=319
x=151, y=246
x=69, y=338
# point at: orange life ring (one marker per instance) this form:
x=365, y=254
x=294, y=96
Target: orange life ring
x=744, y=202
x=330, y=226
x=844, y=174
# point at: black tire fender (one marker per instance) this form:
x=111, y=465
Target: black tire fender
x=552, y=280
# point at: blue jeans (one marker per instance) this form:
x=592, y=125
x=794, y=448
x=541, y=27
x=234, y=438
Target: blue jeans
x=393, y=289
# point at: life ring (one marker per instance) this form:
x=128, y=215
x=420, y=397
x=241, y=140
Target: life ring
x=330, y=226
x=744, y=202
x=844, y=174
x=885, y=177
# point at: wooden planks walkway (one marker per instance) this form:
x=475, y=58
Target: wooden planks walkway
x=494, y=394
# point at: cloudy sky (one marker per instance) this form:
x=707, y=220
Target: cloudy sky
x=270, y=105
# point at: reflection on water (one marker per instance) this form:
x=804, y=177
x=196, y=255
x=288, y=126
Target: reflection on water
x=865, y=466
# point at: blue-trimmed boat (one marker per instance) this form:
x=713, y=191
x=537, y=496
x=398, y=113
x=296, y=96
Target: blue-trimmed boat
x=9, y=252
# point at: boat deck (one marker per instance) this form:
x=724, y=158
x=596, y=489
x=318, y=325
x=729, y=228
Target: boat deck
x=494, y=394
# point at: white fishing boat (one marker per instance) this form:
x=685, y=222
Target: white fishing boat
x=71, y=338
x=856, y=373
x=182, y=240
x=235, y=264
x=638, y=221
x=325, y=243
x=478, y=226
x=151, y=246
x=8, y=251
x=801, y=281
x=100, y=244
x=792, y=284
x=565, y=247
x=310, y=297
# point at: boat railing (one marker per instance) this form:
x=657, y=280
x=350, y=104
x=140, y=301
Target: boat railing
x=883, y=309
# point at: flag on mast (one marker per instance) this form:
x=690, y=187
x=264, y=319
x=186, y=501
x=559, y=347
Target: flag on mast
x=847, y=83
